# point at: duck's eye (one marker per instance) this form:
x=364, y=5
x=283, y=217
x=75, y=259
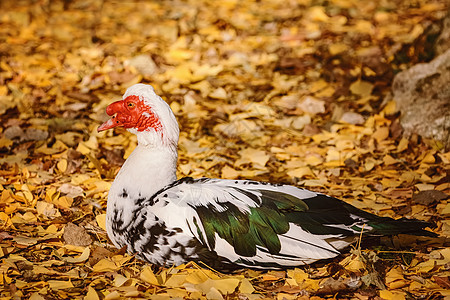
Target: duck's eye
x=131, y=105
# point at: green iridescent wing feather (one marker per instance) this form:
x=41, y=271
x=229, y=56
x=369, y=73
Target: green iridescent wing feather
x=247, y=230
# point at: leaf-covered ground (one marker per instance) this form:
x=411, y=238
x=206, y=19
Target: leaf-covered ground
x=281, y=91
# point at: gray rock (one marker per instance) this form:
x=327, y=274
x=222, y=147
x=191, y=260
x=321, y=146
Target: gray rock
x=443, y=41
x=422, y=94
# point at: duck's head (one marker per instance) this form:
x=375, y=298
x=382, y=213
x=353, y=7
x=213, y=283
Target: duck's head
x=145, y=114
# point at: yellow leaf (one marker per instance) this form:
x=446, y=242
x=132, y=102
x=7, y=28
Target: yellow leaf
x=424, y=186
x=12, y=258
x=402, y=145
x=445, y=252
x=59, y=284
x=148, y=276
x=389, y=160
x=313, y=182
x=83, y=149
x=390, y=108
x=91, y=294
x=300, y=122
x=36, y=296
x=105, y=265
x=63, y=202
x=386, y=182
x=364, y=26
x=120, y=260
x=225, y=286
x=199, y=276
x=291, y=282
x=113, y=295
x=176, y=280
x=101, y=221
x=79, y=249
x=5, y=221
x=183, y=74
x=285, y=296
x=446, y=210
x=342, y=144
x=4, y=143
x=257, y=157
x=301, y=172
x=395, y=279
x=120, y=280
x=381, y=134
x=11, y=208
x=91, y=143
x=229, y=173
x=219, y=93
x=27, y=217
x=47, y=209
x=333, y=155
x=238, y=128
x=83, y=257
x=355, y=265
x=180, y=54
x=313, y=160
x=203, y=86
x=213, y=294
x=426, y=266
x=429, y=158
x=246, y=287
x=51, y=194
x=327, y=92
x=62, y=165
x=369, y=72
x=337, y=48
x=361, y=88
x=203, y=71
x=317, y=13
x=25, y=240
x=299, y=275
x=392, y=295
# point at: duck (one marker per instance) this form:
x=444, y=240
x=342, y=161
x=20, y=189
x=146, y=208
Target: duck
x=223, y=223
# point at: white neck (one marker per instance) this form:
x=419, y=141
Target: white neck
x=146, y=171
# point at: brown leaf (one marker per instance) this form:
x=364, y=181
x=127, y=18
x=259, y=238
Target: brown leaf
x=429, y=197
x=99, y=253
x=76, y=235
x=443, y=281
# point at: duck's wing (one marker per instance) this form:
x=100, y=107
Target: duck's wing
x=260, y=224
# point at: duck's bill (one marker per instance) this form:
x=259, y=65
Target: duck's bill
x=111, y=123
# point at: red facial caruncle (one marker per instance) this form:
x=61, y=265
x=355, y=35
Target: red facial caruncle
x=131, y=112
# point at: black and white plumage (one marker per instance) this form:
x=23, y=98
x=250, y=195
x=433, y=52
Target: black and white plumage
x=223, y=223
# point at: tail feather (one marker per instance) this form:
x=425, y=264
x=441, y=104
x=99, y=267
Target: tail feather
x=327, y=211
x=388, y=226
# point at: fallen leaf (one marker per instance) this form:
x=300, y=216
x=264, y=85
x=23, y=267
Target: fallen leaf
x=81, y=258
x=312, y=106
x=148, y=276
x=91, y=294
x=361, y=88
x=76, y=235
x=59, y=285
x=105, y=265
x=428, y=197
x=101, y=221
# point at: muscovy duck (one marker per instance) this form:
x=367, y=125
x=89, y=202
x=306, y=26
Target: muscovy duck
x=223, y=223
